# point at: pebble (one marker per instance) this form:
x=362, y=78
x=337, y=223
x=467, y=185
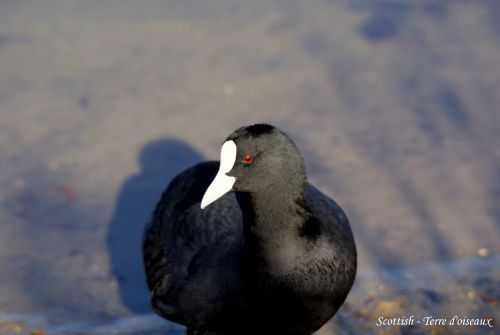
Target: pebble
x=11, y=327
x=483, y=252
x=388, y=308
x=19, y=183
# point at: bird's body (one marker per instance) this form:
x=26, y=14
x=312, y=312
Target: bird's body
x=275, y=256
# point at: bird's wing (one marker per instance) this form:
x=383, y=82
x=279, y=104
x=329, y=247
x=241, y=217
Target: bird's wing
x=179, y=231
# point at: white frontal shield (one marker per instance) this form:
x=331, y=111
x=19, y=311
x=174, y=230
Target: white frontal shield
x=222, y=183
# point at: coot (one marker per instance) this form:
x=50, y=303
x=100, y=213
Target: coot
x=247, y=246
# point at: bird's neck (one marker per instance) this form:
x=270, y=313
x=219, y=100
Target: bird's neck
x=272, y=223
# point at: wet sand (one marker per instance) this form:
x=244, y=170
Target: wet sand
x=395, y=106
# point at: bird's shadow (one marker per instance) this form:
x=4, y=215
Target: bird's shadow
x=159, y=161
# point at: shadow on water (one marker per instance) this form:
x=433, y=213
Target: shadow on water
x=385, y=22
x=388, y=17
x=160, y=161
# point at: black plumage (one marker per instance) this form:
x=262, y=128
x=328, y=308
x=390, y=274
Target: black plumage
x=274, y=255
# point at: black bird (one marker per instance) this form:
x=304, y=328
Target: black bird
x=274, y=256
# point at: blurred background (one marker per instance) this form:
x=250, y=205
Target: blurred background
x=395, y=106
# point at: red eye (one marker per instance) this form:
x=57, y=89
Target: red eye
x=248, y=159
